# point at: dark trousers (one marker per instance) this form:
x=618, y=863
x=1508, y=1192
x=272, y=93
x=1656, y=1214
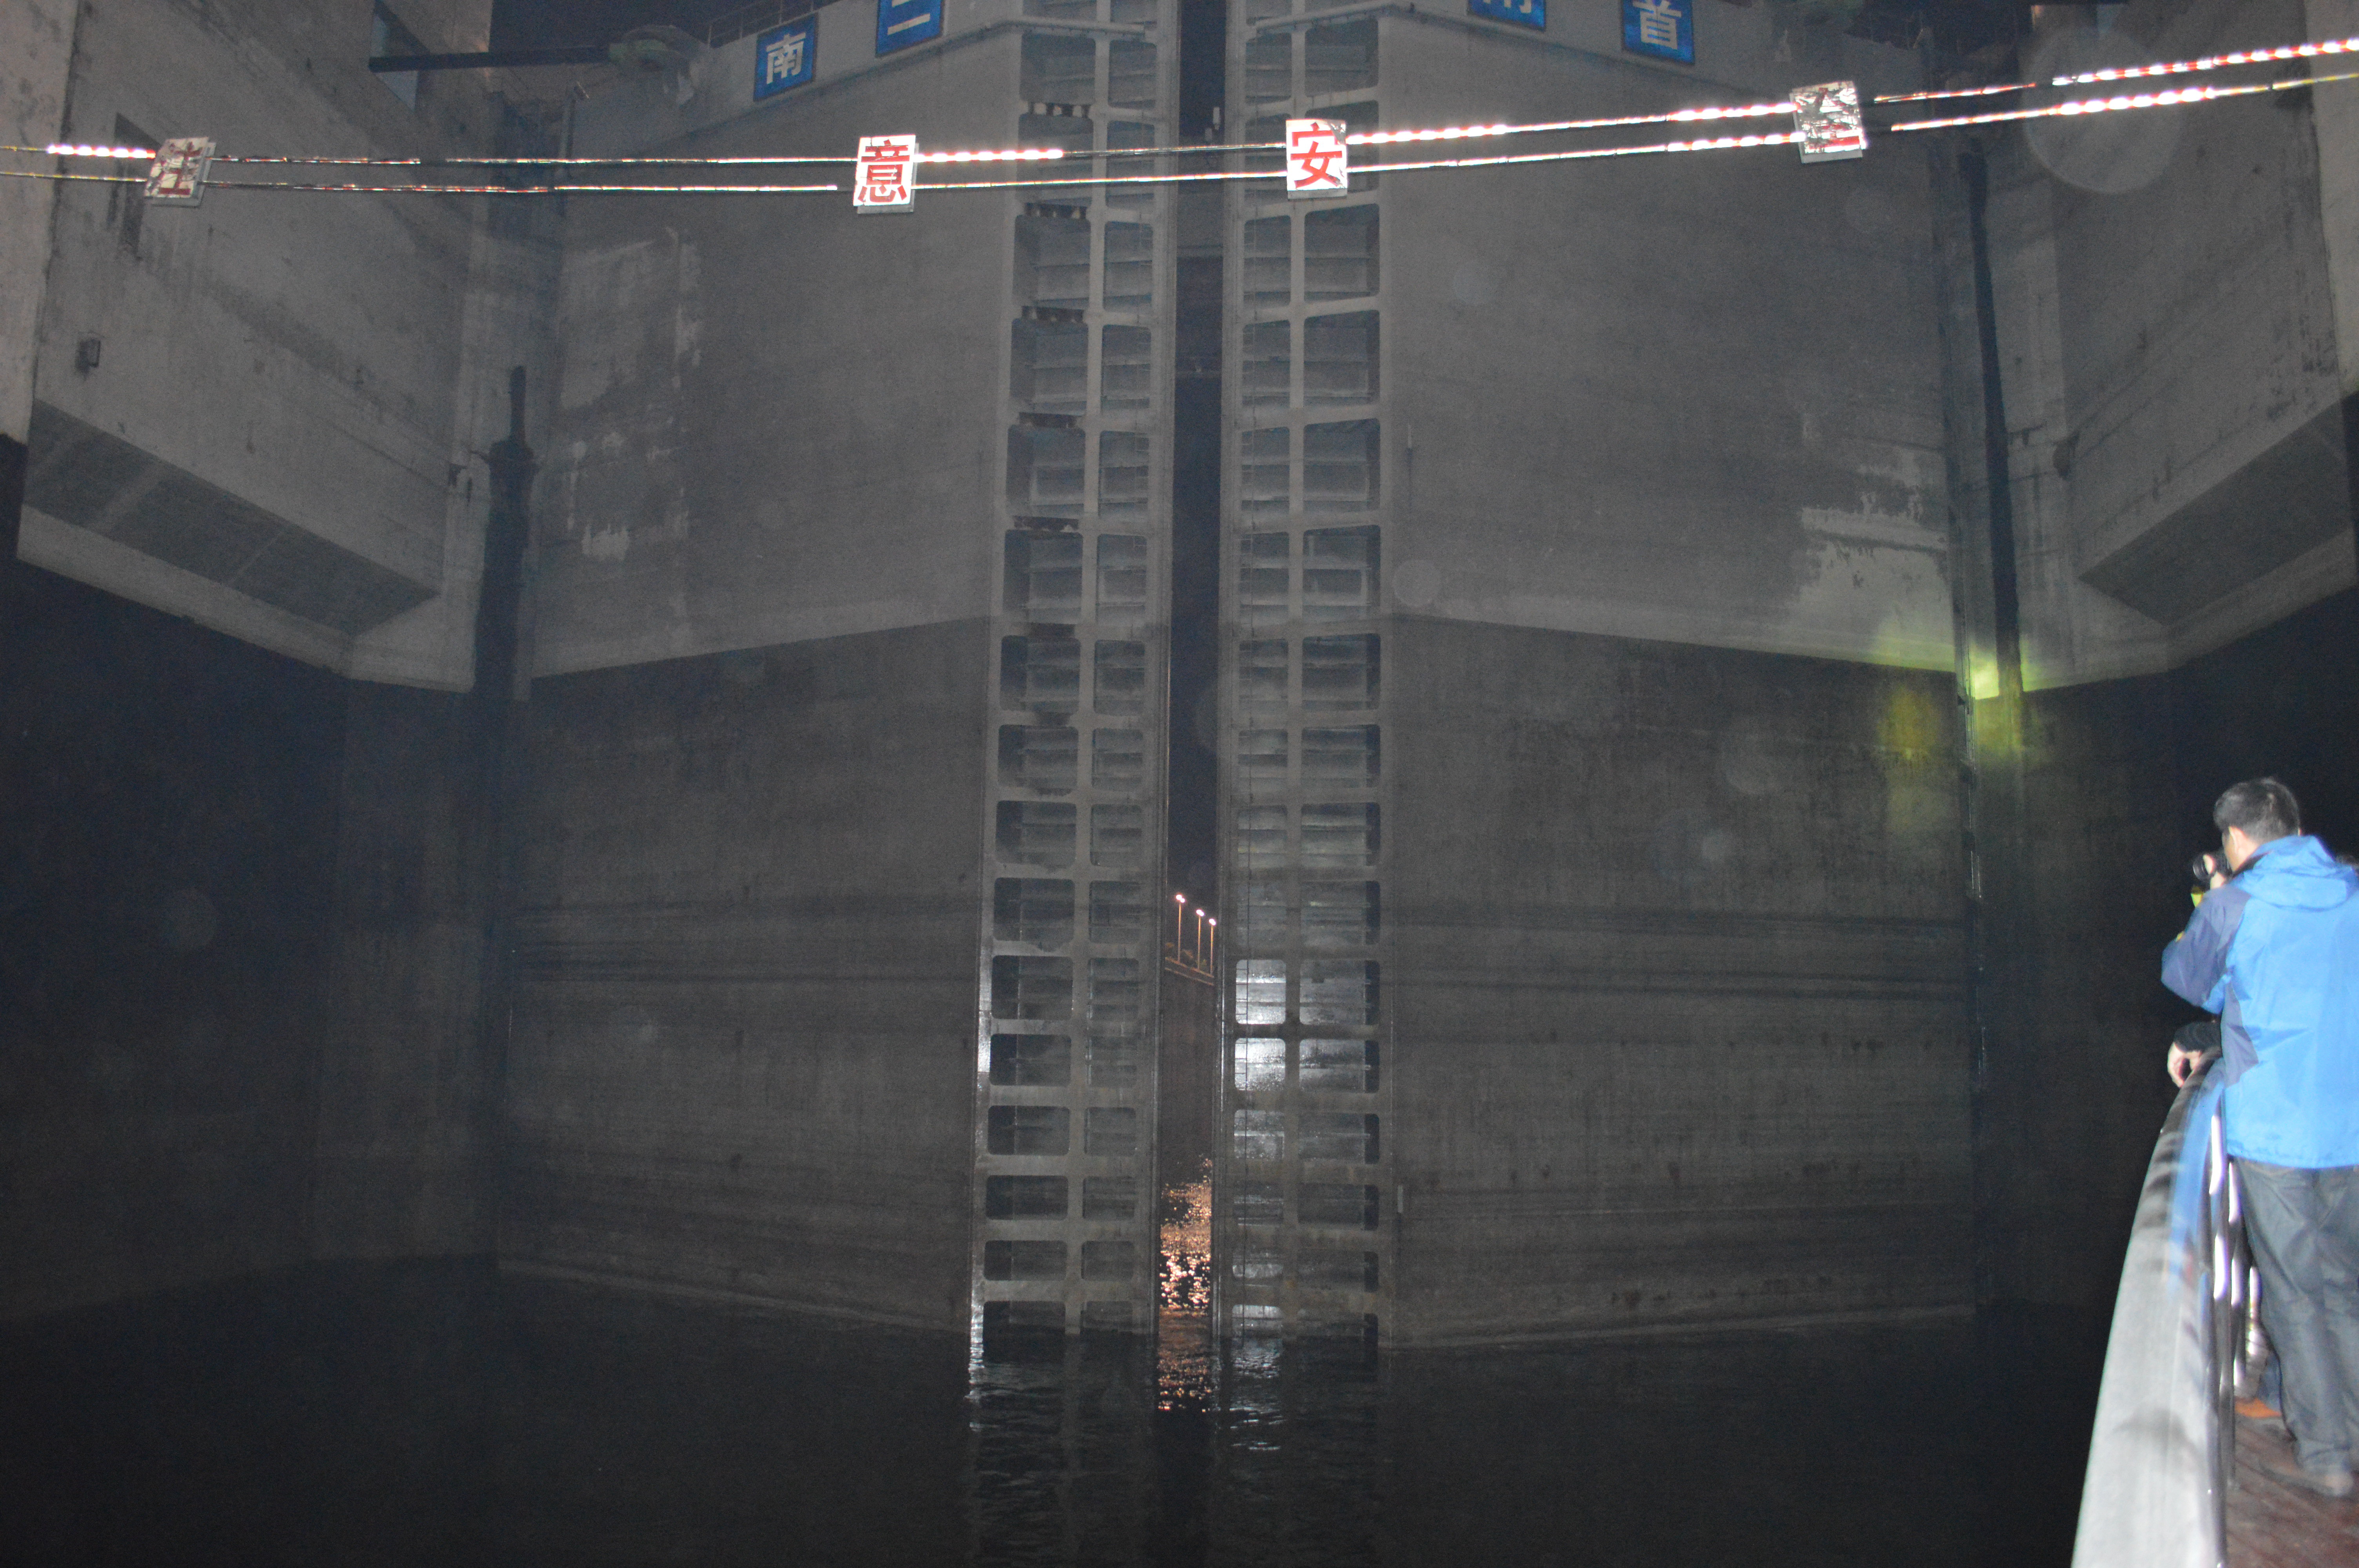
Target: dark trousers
x=2304, y=1230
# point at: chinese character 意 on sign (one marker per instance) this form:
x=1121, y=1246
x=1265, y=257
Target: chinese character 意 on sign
x=1664, y=29
x=1826, y=117
x=881, y=181
x=785, y=57
x=177, y=175
x=1316, y=163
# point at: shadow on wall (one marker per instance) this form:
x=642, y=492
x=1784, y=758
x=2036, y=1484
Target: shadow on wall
x=168, y=838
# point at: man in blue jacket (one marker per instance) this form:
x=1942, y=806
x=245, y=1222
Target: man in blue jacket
x=2274, y=950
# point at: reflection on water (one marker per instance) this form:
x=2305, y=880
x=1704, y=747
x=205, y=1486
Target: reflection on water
x=440, y=1414
x=1185, y=1369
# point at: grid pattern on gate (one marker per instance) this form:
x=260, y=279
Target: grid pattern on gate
x=1064, y=1221
x=1301, y=1194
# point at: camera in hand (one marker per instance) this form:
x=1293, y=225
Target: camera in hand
x=2201, y=868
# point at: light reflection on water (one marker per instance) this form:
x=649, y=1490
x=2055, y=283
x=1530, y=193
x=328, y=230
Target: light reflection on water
x=1187, y=1370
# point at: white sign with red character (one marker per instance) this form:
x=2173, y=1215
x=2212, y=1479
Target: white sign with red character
x=1316, y=163
x=882, y=180
x=176, y=178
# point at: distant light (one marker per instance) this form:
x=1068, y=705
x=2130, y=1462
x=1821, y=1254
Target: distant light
x=83, y=149
x=1012, y=155
x=1180, y=896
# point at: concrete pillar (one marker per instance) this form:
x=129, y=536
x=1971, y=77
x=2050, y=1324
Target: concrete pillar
x=2334, y=111
x=1990, y=697
x=37, y=39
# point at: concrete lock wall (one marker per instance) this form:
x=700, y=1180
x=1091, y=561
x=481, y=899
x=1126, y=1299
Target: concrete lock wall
x=2171, y=369
x=164, y=894
x=2180, y=453
x=250, y=412
x=249, y=415
x=741, y=1053
x=38, y=36
x=793, y=970
x=1609, y=943
x=1664, y=948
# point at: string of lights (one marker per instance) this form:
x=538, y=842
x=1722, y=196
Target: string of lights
x=1675, y=117
x=1709, y=144
x=1207, y=174
x=521, y=190
x=1715, y=143
x=526, y=162
x=2137, y=72
x=1360, y=138
x=2306, y=50
x=2167, y=98
x=82, y=149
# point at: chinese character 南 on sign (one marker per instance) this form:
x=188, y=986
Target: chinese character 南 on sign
x=786, y=57
x=1316, y=159
x=1530, y=13
x=881, y=179
x=1664, y=29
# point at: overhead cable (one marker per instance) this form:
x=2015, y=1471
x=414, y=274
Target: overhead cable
x=1703, y=113
x=2137, y=72
x=2168, y=98
x=521, y=190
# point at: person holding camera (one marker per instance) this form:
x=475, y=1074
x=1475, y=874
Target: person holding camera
x=2274, y=950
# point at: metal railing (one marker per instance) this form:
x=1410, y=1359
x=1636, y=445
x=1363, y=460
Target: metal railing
x=2156, y=1494
x=1190, y=953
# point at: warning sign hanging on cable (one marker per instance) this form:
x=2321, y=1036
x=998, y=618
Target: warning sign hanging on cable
x=883, y=180
x=177, y=175
x=1317, y=161
x=1828, y=121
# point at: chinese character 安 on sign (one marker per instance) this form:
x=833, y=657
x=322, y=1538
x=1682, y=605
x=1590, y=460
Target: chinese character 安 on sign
x=1828, y=120
x=900, y=23
x=177, y=175
x=1664, y=29
x=881, y=181
x=1316, y=163
x=785, y=57
x=1530, y=13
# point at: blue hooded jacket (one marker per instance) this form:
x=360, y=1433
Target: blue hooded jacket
x=2276, y=953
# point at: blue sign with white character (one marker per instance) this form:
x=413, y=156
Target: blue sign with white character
x=900, y=23
x=1664, y=29
x=786, y=57
x=1530, y=13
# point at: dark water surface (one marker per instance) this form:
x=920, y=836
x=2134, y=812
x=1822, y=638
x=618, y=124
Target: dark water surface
x=440, y=1414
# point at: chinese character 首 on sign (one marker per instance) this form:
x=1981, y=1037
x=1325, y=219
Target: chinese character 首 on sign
x=900, y=23
x=1664, y=29
x=1530, y=13
x=786, y=57
x=881, y=181
x=1316, y=163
